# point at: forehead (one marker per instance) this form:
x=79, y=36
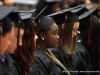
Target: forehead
x=54, y=26
x=76, y=25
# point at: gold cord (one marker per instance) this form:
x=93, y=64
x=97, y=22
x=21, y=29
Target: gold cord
x=55, y=59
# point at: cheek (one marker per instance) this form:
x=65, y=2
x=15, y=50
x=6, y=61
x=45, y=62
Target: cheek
x=5, y=43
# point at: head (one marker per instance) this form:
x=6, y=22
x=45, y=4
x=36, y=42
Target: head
x=55, y=7
x=72, y=24
x=13, y=46
x=51, y=8
x=6, y=35
x=75, y=28
x=49, y=36
x=25, y=54
x=71, y=34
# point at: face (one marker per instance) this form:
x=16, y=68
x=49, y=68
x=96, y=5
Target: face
x=5, y=41
x=51, y=39
x=74, y=30
x=35, y=38
x=13, y=46
x=56, y=8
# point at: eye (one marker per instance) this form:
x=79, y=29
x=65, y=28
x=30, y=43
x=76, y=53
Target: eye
x=73, y=30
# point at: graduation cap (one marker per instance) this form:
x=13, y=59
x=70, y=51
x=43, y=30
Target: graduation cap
x=29, y=24
x=5, y=22
x=80, y=10
x=85, y=19
x=23, y=20
x=97, y=12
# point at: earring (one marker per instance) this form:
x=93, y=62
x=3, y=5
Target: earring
x=43, y=39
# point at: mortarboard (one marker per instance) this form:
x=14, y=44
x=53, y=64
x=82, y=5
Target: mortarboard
x=5, y=22
x=80, y=10
x=29, y=24
x=86, y=20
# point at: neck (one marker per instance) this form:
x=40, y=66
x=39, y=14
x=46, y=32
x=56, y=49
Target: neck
x=43, y=46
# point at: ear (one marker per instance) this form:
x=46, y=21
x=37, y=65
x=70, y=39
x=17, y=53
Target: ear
x=63, y=25
x=42, y=35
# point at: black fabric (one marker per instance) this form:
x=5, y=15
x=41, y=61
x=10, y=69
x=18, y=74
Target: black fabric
x=47, y=65
x=34, y=71
x=84, y=54
x=6, y=24
x=5, y=11
x=64, y=58
x=15, y=18
x=14, y=68
x=80, y=10
x=75, y=60
x=71, y=17
x=45, y=21
x=9, y=67
x=93, y=47
x=28, y=23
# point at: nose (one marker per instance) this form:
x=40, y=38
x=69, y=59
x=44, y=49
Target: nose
x=9, y=42
x=57, y=36
x=75, y=34
x=20, y=42
x=36, y=37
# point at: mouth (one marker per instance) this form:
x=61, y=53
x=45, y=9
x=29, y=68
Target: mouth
x=15, y=49
x=58, y=41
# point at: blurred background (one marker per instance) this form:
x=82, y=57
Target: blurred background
x=30, y=4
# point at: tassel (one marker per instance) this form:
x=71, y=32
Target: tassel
x=32, y=36
x=89, y=41
x=18, y=35
x=1, y=30
x=38, y=34
x=64, y=31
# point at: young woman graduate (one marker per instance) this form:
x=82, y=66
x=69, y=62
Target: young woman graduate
x=80, y=47
x=6, y=32
x=52, y=6
x=48, y=38
x=66, y=51
x=25, y=56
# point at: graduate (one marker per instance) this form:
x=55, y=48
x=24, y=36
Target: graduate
x=6, y=32
x=66, y=51
x=91, y=37
x=80, y=47
x=52, y=6
x=14, y=39
x=48, y=38
x=25, y=57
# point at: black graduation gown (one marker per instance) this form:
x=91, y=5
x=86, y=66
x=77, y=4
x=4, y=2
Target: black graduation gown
x=75, y=60
x=64, y=58
x=48, y=65
x=4, y=69
x=14, y=68
x=84, y=54
x=34, y=71
x=10, y=67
